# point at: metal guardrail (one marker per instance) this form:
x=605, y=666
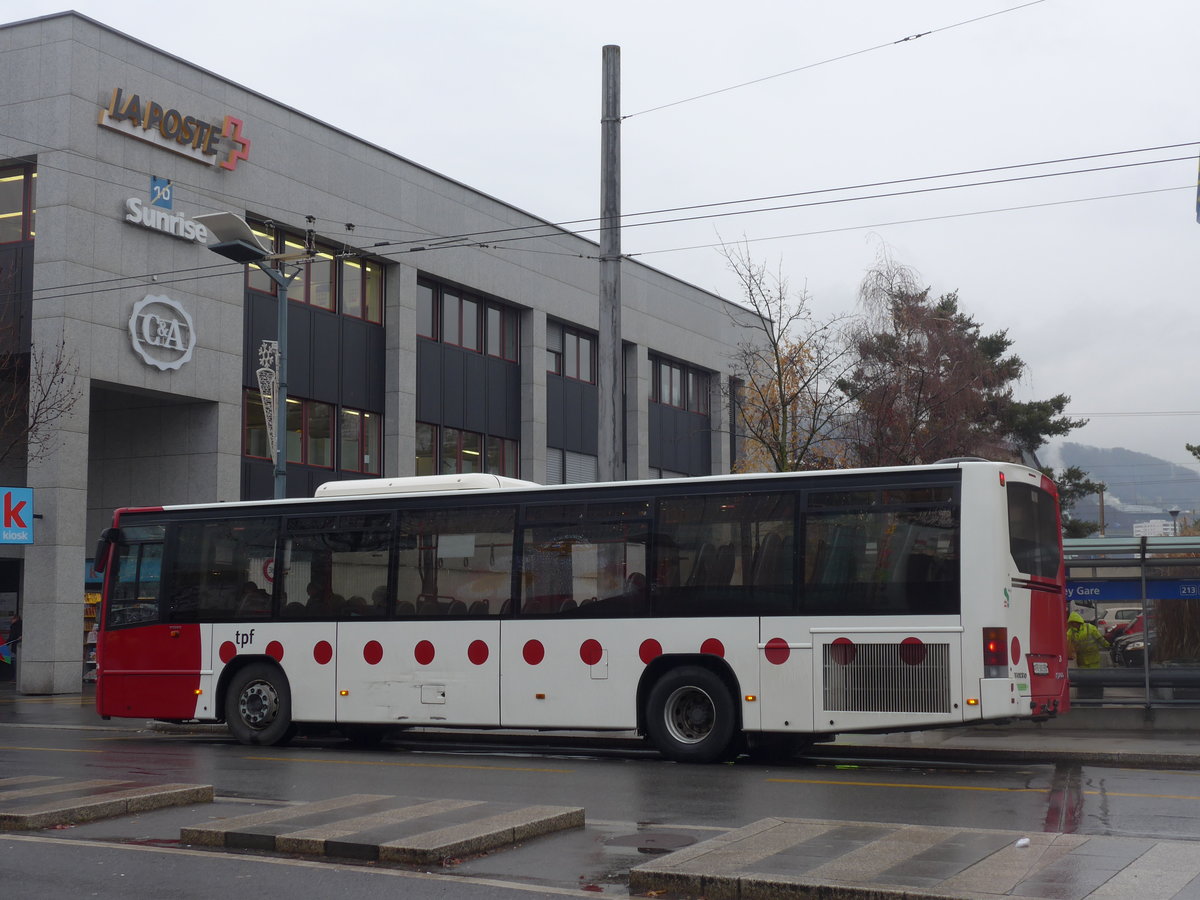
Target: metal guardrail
x=1103, y=557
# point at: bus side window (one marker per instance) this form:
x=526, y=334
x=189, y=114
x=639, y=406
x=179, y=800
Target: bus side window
x=454, y=562
x=134, y=596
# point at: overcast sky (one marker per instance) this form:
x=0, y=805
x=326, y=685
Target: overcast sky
x=1100, y=297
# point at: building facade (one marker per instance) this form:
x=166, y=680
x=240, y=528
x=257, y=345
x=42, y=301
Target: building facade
x=421, y=337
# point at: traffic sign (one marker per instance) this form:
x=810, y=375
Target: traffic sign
x=1089, y=592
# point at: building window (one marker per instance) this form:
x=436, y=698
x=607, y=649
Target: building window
x=257, y=442
x=310, y=435
x=315, y=283
x=503, y=331
x=17, y=203
x=362, y=290
x=359, y=442
x=426, y=312
x=451, y=451
x=426, y=449
x=463, y=320
x=309, y=441
x=568, y=467
x=351, y=285
x=570, y=353
x=674, y=384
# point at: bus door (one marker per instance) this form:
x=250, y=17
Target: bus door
x=572, y=654
x=429, y=654
x=146, y=667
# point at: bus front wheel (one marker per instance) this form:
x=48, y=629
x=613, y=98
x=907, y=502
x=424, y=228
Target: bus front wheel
x=258, y=706
x=690, y=715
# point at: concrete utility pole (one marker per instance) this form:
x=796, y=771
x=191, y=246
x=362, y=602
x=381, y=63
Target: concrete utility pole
x=610, y=367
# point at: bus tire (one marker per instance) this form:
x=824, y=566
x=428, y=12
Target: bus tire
x=690, y=715
x=258, y=706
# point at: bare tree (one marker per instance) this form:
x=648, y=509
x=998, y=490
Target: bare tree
x=789, y=405
x=36, y=391
x=39, y=386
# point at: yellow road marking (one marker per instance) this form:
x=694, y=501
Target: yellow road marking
x=48, y=749
x=411, y=765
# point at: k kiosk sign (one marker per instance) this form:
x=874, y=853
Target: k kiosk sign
x=17, y=505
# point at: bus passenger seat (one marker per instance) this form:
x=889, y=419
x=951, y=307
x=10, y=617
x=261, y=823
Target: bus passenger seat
x=479, y=608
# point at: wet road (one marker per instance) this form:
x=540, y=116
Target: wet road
x=635, y=802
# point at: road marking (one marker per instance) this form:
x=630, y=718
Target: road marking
x=48, y=749
x=410, y=765
x=970, y=787
x=450, y=877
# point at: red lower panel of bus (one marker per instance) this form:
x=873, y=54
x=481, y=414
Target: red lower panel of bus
x=1047, y=656
x=152, y=671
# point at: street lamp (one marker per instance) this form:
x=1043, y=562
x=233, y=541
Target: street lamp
x=1174, y=511
x=237, y=241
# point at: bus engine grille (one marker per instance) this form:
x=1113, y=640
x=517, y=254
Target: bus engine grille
x=887, y=678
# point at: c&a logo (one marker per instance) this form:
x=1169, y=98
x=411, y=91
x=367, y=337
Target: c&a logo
x=162, y=332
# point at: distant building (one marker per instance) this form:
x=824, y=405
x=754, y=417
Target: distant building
x=1154, y=528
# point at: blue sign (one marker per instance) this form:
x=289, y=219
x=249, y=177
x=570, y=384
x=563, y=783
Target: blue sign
x=1089, y=592
x=160, y=192
x=17, y=527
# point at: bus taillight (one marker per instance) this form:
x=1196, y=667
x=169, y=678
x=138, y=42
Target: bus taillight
x=995, y=653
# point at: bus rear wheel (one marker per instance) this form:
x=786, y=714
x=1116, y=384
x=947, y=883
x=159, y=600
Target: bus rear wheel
x=258, y=706
x=690, y=715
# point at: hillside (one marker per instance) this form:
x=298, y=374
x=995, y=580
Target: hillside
x=1141, y=487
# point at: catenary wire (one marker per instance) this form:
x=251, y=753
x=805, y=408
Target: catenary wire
x=825, y=62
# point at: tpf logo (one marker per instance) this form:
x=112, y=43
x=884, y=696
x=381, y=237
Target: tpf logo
x=162, y=332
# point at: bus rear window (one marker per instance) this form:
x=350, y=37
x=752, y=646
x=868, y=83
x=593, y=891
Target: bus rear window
x=1033, y=531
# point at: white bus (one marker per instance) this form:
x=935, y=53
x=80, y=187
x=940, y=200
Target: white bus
x=709, y=614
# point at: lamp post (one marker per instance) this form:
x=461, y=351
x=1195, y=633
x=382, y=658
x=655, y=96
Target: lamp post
x=238, y=242
x=1174, y=511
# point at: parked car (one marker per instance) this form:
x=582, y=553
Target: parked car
x=1110, y=617
x=1130, y=648
x=1118, y=621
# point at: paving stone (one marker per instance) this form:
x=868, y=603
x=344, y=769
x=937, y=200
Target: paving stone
x=387, y=828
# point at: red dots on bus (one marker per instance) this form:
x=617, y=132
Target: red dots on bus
x=1016, y=650
x=478, y=652
x=842, y=651
x=591, y=652
x=913, y=651
x=650, y=650
x=373, y=653
x=228, y=651
x=533, y=652
x=713, y=647
x=423, y=653
x=275, y=651
x=322, y=652
x=777, y=651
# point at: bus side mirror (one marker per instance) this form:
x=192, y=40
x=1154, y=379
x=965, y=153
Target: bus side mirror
x=108, y=537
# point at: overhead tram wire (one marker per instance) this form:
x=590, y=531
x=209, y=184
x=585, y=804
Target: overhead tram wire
x=435, y=241
x=963, y=215
x=816, y=203
x=465, y=238
x=825, y=62
x=471, y=239
x=495, y=246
